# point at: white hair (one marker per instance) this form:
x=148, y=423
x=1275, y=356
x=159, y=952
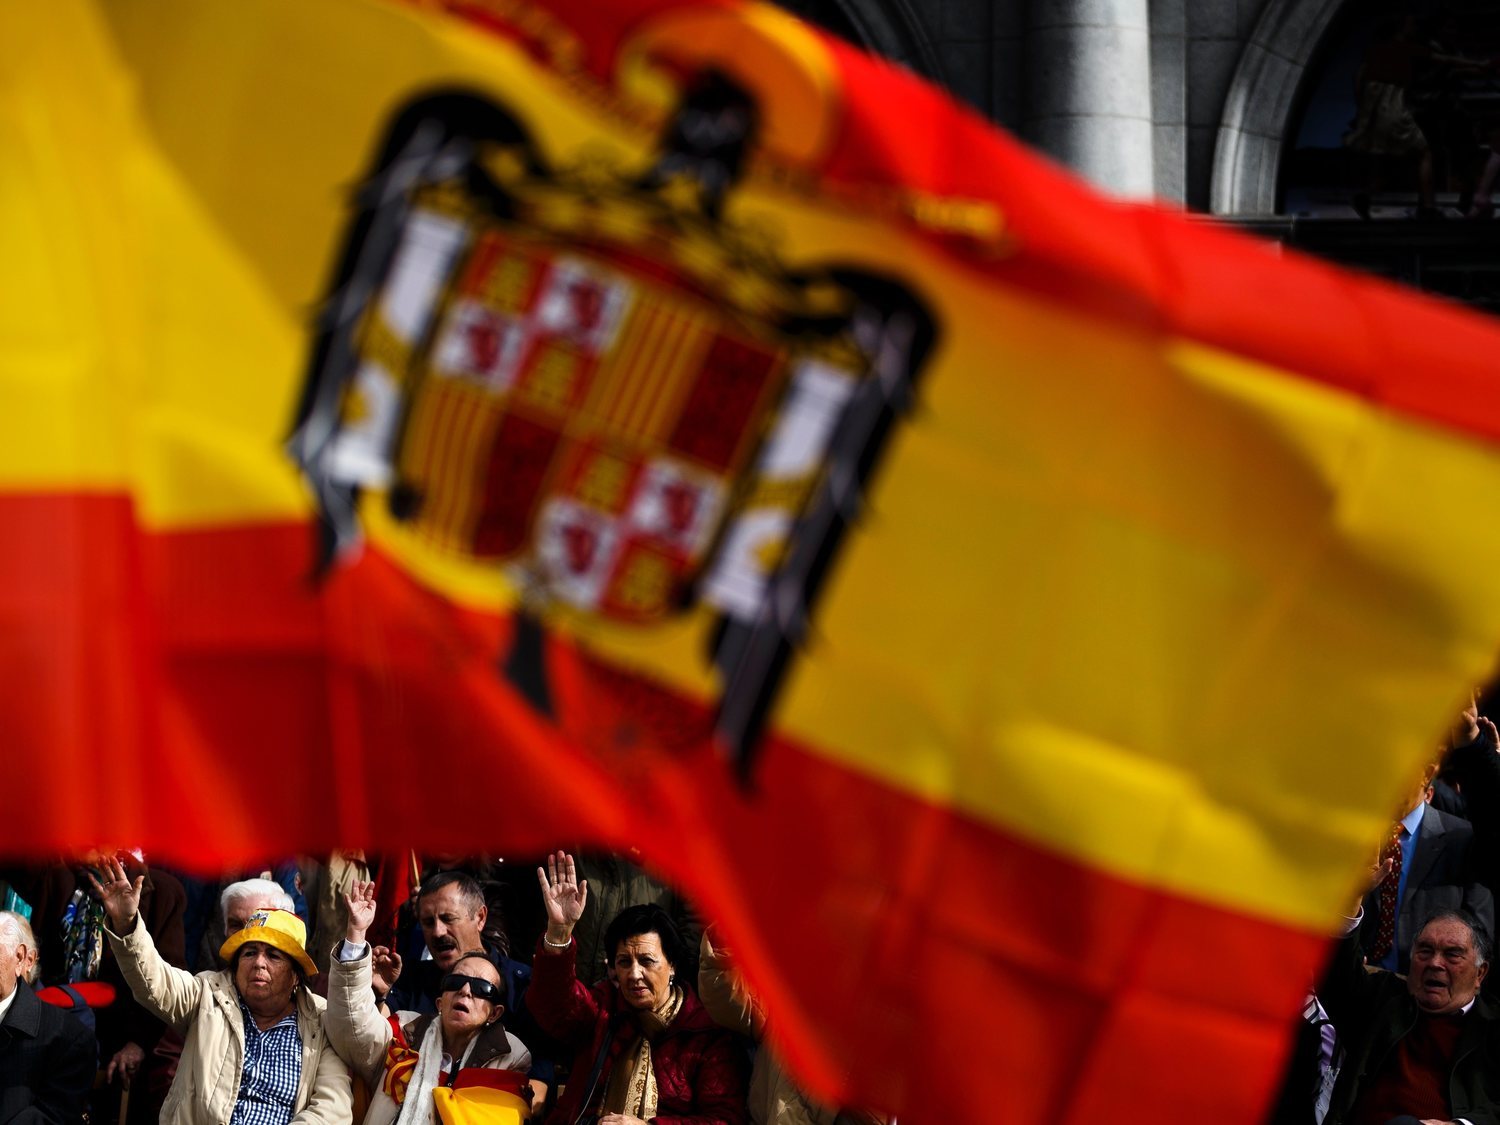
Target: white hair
x=16, y=930
x=265, y=893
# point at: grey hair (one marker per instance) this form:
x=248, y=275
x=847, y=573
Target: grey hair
x=469, y=890
x=1477, y=932
x=16, y=930
x=264, y=891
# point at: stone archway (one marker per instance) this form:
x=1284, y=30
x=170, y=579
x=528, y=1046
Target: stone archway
x=1257, y=110
x=887, y=27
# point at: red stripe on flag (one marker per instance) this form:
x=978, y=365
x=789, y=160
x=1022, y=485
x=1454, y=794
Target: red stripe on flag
x=474, y=1077
x=192, y=692
x=879, y=927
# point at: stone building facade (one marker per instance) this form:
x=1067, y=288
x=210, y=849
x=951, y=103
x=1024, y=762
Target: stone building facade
x=1192, y=101
x=1203, y=104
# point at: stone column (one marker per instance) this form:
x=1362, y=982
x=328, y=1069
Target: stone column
x=1088, y=89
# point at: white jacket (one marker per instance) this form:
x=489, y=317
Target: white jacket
x=205, y=1010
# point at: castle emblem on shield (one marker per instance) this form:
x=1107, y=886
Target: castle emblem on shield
x=593, y=383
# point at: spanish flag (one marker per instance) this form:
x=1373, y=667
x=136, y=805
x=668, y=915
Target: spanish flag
x=492, y=424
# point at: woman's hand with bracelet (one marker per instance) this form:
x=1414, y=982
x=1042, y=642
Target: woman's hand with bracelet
x=564, y=896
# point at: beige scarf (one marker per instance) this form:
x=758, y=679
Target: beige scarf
x=418, y=1106
x=632, y=1080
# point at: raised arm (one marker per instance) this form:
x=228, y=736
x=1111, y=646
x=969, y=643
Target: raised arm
x=564, y=895
x=170, y=993
x=563, y=1007
x=355, y=1027
x=1346, y=990
x=385, y=963
x=723, y=993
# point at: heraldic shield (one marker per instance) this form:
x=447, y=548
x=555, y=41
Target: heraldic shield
x=592, y=382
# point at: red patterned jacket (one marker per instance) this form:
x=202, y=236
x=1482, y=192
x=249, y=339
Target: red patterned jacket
x=700, y=1068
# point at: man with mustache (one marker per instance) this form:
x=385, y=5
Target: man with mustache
x=452, y=913
x=1420, y=1049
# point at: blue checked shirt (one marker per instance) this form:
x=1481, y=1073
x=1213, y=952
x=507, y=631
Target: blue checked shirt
x=273, y=1067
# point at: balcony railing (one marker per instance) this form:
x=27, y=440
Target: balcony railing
x=1452, y=258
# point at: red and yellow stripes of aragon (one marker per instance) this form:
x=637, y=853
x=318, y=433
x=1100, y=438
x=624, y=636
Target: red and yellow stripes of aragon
x=1163, y=592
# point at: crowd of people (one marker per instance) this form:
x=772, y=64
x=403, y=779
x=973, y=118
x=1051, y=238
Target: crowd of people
x=391, y=993
x=466, y=989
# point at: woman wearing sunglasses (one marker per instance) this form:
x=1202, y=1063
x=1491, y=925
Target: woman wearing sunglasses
x=407, y=1060
x=647, y=1049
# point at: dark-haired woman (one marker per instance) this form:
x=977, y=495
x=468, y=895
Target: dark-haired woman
x=646, y=1049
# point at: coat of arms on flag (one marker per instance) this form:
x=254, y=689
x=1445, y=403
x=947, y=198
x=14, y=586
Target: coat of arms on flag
x=598, y=385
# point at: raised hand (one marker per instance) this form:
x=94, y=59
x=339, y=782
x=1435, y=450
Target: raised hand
x=360, y=902
x=1468, y=722
x=1379, y=871
x=563, y=895
x=385, y=967
x=121, y=897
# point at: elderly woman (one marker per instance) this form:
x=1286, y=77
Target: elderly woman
x=404, y=1059
x=255, y=1052
x=646, y=1049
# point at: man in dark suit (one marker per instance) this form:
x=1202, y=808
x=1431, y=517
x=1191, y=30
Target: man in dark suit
x=47, y=1057
x=1432, y=869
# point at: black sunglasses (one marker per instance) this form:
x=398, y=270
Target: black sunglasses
x=479, y=988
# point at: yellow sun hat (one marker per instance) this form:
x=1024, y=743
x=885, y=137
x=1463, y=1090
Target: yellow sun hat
x=279, y=928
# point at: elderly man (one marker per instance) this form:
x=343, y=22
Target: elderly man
x=256, y=1052
x=47, y=1057
x=1423, y=1049
x=239, y=902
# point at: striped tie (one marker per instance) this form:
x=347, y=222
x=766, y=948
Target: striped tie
x=1385, y=932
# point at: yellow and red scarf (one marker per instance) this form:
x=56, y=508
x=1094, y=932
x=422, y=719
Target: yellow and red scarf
x=400, y=1063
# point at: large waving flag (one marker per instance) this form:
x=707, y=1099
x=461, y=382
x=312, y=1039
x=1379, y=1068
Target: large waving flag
x=495, y=424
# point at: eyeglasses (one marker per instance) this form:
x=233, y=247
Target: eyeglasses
x=479, y=988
